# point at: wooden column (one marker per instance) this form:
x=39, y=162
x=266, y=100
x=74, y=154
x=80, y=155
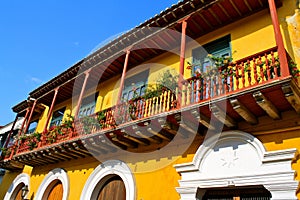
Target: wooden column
x=11, y=131
x=279, y=40
x=51, y=109
x=182, y=59
x=87, y=73
x=24, y=121
x=29, y=118
x=123, y=77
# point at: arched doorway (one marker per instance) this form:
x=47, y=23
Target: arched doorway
x=54, y=191
x=113, y=189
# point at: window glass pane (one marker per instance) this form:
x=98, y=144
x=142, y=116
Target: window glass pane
x=57, y=117
x=32, y=127
x=88, y=105
x=135, y=86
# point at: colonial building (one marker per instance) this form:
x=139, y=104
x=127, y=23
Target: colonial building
x=201, y=101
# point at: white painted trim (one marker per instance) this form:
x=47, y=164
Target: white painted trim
x=21, y=178
x=274, y=171
x=102, y=173
x=55, y=174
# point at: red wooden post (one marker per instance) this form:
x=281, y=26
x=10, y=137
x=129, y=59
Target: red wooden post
x=51, y=109
x=24, y=121
x=123, y=76
x=11, y=131
x=87, y=73
x=279, y=41
x=29, y=118
x=182, y=59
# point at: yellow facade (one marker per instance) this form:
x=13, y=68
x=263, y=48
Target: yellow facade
x=248, y=36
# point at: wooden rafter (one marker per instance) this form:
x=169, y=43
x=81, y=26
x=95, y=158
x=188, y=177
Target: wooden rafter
x=138, y=140
x=222, y=116
x=202, y=119
x=266, y=105
x=292, y=95
x=243, y=111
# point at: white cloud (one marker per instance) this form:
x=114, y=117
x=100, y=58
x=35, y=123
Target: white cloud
x=36, y=80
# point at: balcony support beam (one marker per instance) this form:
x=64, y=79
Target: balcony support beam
x=182, y=58
x=279, y=40
x=29, y=118
x=87, y=73
x=266, y=105
x=51, y=109
x=123, y=76
x=292, y=95
x=223, y=117
x=243, y=111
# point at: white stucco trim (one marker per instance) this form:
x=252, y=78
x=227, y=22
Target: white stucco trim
x=103, y=172
x=55, y=174
x=270, y=169
x=21, y=178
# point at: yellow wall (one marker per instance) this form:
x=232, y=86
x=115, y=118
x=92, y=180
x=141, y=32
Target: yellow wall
x=249, y=36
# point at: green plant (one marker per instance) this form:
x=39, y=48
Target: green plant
x=68, y=122
x=88, y=122
x=32, y=144
x=167, y=81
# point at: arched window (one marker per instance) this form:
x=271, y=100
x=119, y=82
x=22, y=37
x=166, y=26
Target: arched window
x=55, y=186
x=110, y=180
x=15, y=189
x=112, y=188
x=54, y=191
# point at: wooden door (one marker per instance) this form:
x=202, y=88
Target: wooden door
x=19, y=194
x=113, y=189
x=56, y=192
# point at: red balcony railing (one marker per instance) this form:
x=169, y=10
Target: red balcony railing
x=258, y=69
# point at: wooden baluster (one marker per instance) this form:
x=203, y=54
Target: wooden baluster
x=220, y=81
x=268, y=67
x=255, y=72
x=261, y=68
x=154, y=103
x=169, y=100
x=199, y=89
x=214, y=85
x=243, y=74
x=274, y=65
x=237, y=76
x=231, y=80
x=225, y=82
x=146, y=108
x=190, y=93
x=204, y=87
x=249, y=72
x=209, y=87
x=165, y=101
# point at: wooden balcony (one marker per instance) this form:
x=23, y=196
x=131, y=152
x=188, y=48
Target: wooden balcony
x=249, y=88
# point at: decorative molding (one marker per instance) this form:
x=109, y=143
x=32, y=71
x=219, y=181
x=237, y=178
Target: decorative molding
x=102, y=173
x=15, y=185
x=236, y=159
x=55, y=174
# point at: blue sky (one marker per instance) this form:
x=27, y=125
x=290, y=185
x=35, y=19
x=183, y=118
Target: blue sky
x=40, y=39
